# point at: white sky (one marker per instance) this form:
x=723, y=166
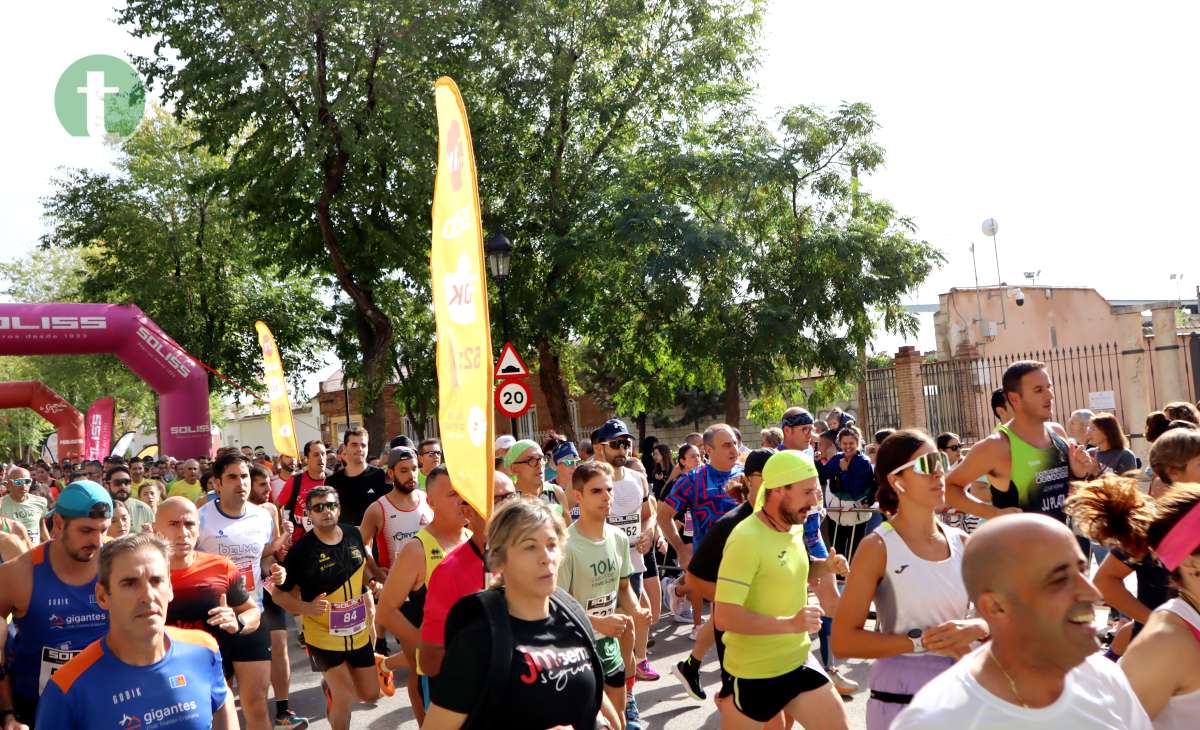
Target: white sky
x=1071, y=123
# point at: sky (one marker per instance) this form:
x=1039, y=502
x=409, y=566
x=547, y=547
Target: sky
x=1070, y=123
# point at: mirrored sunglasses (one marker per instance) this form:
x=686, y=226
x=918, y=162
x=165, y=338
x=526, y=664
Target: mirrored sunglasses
x=934, y=462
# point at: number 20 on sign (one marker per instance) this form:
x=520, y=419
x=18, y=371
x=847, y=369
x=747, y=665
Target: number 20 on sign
x=513, y=398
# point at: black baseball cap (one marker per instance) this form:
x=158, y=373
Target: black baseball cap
x=756, y=460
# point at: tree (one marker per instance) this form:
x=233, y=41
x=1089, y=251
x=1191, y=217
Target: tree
x=334, y=101
x=163, y=234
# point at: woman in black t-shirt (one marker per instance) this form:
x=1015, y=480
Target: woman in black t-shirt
x=553, y=677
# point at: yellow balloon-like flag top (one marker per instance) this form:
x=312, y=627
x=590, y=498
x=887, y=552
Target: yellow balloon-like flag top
x=464, y=341
x=283, y=428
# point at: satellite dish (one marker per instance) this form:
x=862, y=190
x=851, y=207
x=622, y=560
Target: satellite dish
x=990, y=226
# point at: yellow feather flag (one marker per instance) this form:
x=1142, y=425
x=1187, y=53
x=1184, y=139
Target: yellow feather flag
x=283, y=428
x=464, y=341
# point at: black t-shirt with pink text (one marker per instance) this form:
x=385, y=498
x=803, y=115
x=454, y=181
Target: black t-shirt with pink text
x=551, y=681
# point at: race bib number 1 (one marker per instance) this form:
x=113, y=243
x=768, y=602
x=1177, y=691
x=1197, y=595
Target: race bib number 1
x=52, y=661
x=348, y=618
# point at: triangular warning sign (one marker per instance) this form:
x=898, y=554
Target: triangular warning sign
x=510, y=365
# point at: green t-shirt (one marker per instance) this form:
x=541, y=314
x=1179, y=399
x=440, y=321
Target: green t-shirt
x=764, y=571
x=139, y=514
x=591, y=571
x=180, y=488
x=28, y=513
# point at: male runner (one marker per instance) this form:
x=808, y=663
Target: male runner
x=402, y=605
x=137, y=472
x=324, y=584
x=359, y=484
x=761, y=605
x=526, y=462
x=398, y=515
x=294, y=494
x=461, y=573
x=429, y=453
x=142, y=674
x=120, y=485
x=1041, y=670
x=596, y=570
x=22, y=506
x=632, y=514
x=703, y=493
x=188, y=484
x=50, y=592
x=1028, y=460
x=243, y=532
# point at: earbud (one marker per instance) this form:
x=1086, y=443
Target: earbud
x=899, y=487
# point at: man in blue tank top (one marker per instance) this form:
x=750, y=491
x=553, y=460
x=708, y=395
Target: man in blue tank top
x=51, y=593
x=141, y=674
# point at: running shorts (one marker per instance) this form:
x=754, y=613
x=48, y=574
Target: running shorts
x=322, y=660
x=762, y=699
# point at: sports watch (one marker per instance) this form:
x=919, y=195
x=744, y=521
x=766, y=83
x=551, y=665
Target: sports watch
x=914, y=636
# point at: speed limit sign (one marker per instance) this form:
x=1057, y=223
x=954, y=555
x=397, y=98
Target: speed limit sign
x=513, y=398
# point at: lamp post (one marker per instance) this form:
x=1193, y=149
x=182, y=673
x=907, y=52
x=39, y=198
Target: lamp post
x=499, y=255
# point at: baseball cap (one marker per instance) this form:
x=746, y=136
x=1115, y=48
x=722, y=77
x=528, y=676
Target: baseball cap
x=505, y=441
x=612, y=428
x=84, y=498
x=783, y=468
x=757, y=459
x=400, y=453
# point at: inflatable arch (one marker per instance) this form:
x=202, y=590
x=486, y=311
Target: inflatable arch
x=125, y=331
x=67, y=420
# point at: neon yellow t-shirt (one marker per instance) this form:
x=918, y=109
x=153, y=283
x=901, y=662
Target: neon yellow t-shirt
x=181, y=488
x=764, y=571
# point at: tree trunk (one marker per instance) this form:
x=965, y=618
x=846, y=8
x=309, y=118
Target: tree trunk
x=641, y=427
x=554, y=388
x=733, y=398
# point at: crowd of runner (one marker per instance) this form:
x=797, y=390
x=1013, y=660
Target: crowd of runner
x=156, y=593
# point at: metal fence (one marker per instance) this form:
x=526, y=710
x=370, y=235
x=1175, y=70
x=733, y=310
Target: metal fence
x=883, y=405
x=1190, y=341
x=958, y=393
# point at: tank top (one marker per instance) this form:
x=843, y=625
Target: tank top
x=1040, y=477
x=61, y=621
x=916, y=593
x=398, y=525
x=1181, y=711
x=550, y=497
x=413, y=608
x=626, y=513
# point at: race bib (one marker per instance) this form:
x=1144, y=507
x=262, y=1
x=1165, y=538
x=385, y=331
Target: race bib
x=687, y=524
x=348, y=618
x=249, y=574
x=52, y=661
x=601, y=605
x=630, y=524
x=307, y=522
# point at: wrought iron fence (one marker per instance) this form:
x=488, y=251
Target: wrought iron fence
x=883, y=404
x=1086, y=376
x=1191, y=359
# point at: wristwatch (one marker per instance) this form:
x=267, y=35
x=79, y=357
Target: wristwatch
x=914, y=636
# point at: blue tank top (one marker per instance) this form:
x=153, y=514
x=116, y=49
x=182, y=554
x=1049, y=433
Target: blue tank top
x=61, y=621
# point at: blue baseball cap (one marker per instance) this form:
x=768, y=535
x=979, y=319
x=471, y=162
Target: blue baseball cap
x=84, y=498
x=612, y=428
x=564, y=450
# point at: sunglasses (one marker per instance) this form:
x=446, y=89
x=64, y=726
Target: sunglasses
x=501, y=498
x=531, y=460
x=121, y=482
x=934, y=462
x=620, y=444
x=20, y=482
x=568, y=461
x=955, y=447
x=431, y=453
x=320, y=507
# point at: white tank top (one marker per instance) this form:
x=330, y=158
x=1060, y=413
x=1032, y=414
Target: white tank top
x=916, y=593
x=241, y=539
x=1182, y=712
x=399, y=525
x=626, y=512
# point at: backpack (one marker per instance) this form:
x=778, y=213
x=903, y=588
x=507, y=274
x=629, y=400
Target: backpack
x=490, y=607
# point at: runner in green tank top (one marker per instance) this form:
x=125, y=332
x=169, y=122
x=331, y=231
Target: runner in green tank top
x=1028, y=460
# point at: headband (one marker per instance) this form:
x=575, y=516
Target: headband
x=1181, y=541
x=783, y=468
x=515, y=451
x=803, y=418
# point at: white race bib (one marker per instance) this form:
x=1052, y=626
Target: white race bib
x=52, y=661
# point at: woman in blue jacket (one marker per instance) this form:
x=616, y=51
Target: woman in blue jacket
x=850, y=478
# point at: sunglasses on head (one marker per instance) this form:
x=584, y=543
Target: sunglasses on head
x=932, y=463
x=320, y=507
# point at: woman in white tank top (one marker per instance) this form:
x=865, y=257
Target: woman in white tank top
x=911, y=569
x=1163, y=662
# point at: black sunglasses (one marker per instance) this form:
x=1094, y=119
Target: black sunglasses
x=320, y=507
x=955, y=447
x=620, y=444
x=121, y=482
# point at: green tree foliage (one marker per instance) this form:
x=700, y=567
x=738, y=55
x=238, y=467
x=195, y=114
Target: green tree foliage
x=162, y=234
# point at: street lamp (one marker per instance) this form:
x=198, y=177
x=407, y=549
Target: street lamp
x=499, y=256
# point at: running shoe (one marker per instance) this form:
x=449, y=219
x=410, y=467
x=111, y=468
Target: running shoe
x=690, y=679
x=645, y=672
x=844, y=685
x=668, y=584
x=387, y=683
x=289, y=720
x=633, y=717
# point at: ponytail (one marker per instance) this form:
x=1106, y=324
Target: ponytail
x=1113, y=511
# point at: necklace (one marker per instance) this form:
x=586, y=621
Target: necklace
x=1011, y=684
